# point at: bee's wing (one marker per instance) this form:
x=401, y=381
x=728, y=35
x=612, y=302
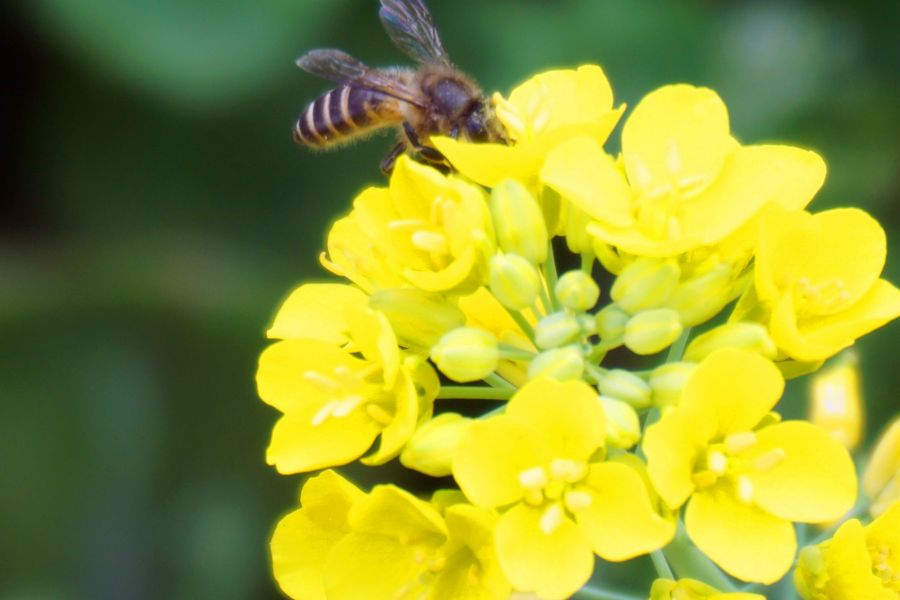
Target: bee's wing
x=342, y=68
x=409, y=24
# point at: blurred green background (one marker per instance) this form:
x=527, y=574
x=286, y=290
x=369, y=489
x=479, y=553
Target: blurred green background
x=155, y=211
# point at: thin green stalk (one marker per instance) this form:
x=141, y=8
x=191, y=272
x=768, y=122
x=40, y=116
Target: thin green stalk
x=597, y=373
x=661, y=564
x=469, y=392
x=594, y=593
x=550, y=275
x=521, y=322
x=688, y=561
x=546, y=301
x=677, y=349
x=496, y=381
x=512, y=353
x=587, y=262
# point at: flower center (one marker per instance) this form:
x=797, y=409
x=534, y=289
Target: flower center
x=555, y=488
x=882, y=570
x=814, y=299
x=725, y=460
x=430, y=236
x=524, y=128
x=349, y=391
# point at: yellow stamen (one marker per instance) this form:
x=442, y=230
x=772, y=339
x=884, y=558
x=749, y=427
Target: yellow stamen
x=534, y=478
x=745, y=489
x=576, y=501
x=431, y=241
x=324, y=412
x=738, y=442
x=567, y=470
x=380, y=415
x=769, y=460
x=325, y=384
x=551, y=519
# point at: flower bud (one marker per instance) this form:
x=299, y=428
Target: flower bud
x=685, y=589
x=433, y=446
x=651, y=331
x=811, y=573
x=626, y=386
x=611, y=323
x=645, y=283
x=418, y=318
x=577, y=291
x=881, y=479
x=836, y=402
x=667, y=382
x=514, y=281
x=562, y=364
x=751, y=337
x=466, y=354
x=556, y=329
x=701, y=298
x=578, y=239
x=588, y=324
x=518, y=221
x=623, y=425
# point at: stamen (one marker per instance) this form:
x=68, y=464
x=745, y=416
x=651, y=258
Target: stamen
x=576, y=501
x=689, y=186
x=370, y=372
x=718, y=462
x=567, y=470
x=738, y=442
x=330, y=266
x=769, y=460
x=659, y=192
x=704, y=479
x=673, y=229
x=348, y=405
x=551, y=519
x=436, y=564
x=534, y=478
x=325, y=384
x=673, y=158
x=380, y=415
x=448, y=209
x=535, y=105
x=640, y=172
x=407, y=225
x=745, y=489
x=324, y=412
x=348, y=378
x=534, y=497
x=431, y=241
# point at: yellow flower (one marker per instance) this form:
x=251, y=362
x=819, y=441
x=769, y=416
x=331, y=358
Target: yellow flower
x=401, y=548
x=304, y=538
x=817, y=285
x=691, y=589
x=335, y=404
x=540, y=114
x=317, y=311
x=881, y=479
x=435, y=229
x=746, y=481
x=686, y=181
x=536, y=459
x=352, y=254
x=858, y=563
x=836, y=402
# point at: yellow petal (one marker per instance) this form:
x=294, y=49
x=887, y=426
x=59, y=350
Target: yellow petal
x=784, y=330
x=568, y=415
x=621, y=523
x=884, y=465
x=281, y=378
x=298, y=446
x=352, y=254
x=849, y=567
x=406, y=413
x=389, y=510
x=585, y=175
x=373, y=336
x=497, y=450
x=631, y=240
x=414, y=187
x=553, y=565
x=374, y=567
x=884, y=532
x=475, y=528
x=316, y=311
x=303, y=539
x=453, y=277
x=374, y=211
x=675, y=133
x=672, y=447
x=814, y=482
x=744, y=540
x=489, y=164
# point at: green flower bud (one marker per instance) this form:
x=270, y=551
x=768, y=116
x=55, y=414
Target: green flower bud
x=433, y=446
x=650, y=331
x=667, y=382
x=418, y=318
x=701, y=298
x=577, y=291
x=562, y=364
x=466, y=354
x=588, y=324
x=623, y=425
x=556, y=329
x=514, y=281
x=752, y=337
x=646, y=283
x=626, y=386
x=518, y=221
x=611, y=323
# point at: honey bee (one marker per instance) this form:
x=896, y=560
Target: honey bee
x=435, y=99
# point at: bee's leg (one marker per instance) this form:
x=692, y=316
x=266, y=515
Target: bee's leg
x=387, y=165
x=454, y=133
x=431, y=155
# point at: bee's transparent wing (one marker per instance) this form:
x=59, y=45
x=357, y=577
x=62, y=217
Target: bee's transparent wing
x=409, y=24
x=342, y=68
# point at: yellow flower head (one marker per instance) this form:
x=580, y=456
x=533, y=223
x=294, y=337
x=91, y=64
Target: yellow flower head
x=745, y=481
x=538, y=461
x=817, y=285
x=858, y=563
x=684, y=180
x=352, y=254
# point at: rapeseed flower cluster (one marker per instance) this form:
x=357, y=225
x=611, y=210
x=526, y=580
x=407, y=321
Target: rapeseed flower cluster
x=452, y=291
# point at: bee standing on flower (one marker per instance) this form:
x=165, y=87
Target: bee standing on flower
x=436, y=99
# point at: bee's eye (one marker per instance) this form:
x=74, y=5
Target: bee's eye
x=476, y=130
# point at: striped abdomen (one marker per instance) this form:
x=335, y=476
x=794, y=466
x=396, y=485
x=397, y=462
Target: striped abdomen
x=344, y=113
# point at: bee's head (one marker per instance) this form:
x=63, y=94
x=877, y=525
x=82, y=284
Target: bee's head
x=481, y=125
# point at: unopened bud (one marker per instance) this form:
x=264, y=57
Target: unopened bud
x=518, y=221
x=811, y=573
x=578, y=239
x=685, y=589
x=514, y=281
x=651, y=331
x=623, y=425
x=577, y=291
x=751, y=337
x=626, y=386
x=562, y=364
x=667, y=382
x=556, y=329
x=701, y=298
x=646, y=283
x=433, y=446
x=588, y=324
x=880, y=479
x=466, y=354
x=611, y=323
x=418, y=318
x=836, y=402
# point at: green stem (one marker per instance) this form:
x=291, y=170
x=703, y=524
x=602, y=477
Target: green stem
x=546, y=302
x=688, y=561
x=587, y=262
x=513, y=353
x=523, y=324
x=753, y=588
x=496, y=381
x=661, y=564
x=858, y=510
x=468, y=392
x=593, y=593
x=677, y=348
x=596, y=372
x=551, y=276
